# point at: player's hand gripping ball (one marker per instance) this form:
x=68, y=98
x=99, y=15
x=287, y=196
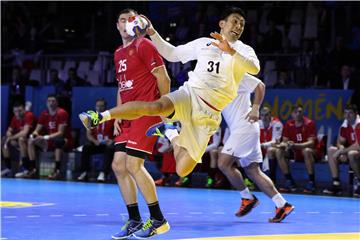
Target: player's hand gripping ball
x=136, y=26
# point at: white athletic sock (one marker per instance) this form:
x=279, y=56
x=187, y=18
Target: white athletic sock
x=106, y=116
x=278, y=200
x=246, y=194
x=171, y=134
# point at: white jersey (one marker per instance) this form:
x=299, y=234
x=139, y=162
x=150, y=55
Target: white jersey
x=217, y=74
x=236, y=112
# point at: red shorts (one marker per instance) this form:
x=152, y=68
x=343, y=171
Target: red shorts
x=133, y=134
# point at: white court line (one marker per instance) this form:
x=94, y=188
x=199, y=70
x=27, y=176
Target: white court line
x=101, y=225
x=10, y=216
x=33, y=216
x=218, y=212
x=56, y=215
x=102, y=214
x=3, y=238
x=196, y=213
x=357, y=212
x=79, y=215
x=172, y=213
x=265, y=212
x=336, y=212
x=312, y=212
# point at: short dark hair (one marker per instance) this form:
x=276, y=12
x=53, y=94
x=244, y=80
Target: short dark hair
x=230, y=10
x=51, y=95
x=351, y=107
x=296, y=106
x=18, y=104
x=101, y=100
x=127, y=10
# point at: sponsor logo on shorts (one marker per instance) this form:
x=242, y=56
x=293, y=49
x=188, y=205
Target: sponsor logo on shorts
x=132, y=142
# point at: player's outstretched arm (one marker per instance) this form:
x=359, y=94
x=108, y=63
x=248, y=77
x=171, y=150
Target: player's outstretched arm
x=167, y=50
x=250, y=63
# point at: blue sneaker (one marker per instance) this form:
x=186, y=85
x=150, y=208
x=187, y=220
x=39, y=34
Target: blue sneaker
x=90, y=119
x=159, y=129
x=151, y=228
x=128, y=229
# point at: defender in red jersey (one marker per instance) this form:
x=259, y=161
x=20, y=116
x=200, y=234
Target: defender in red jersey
x=299, y=141
x=347, y=149
x=22, y=123
x=51, y=133
x=141, y=76
x=270, y=134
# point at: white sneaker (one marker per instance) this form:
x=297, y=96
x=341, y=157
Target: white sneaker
x=5, y=172
x=101, y=177
x=82, y=176
x=22, y=174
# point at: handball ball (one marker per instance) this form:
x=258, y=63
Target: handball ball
x=136, y=25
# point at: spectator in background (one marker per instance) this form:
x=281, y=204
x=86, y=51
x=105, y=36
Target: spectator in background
x=347, y=82
x=299, y=142
x=61, y=91
x=51, y=133
x=22, y=123
x=346, y=150
x=270, y=134
x=100, y=141
x=58, y=83
x=74, y=80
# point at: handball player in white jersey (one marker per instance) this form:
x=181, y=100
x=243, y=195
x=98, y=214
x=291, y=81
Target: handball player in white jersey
x=222, y=61
x=243, y=145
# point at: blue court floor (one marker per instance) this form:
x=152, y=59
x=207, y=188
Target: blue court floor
x=39, y=209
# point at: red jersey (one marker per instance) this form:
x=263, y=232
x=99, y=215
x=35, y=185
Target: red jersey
x=104, y=130
x=302, y=133
x=272, y=132
x=52, y=122
x=134, y=65
x=18, y=124
x=348, y=131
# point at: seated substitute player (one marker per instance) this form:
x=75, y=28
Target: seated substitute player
x=347, y=149
x=213, y=84
x=51, y=133
x=22, y=123
x=100, y=141
x=243, y=145
x=299, y=142
x=270, y=134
